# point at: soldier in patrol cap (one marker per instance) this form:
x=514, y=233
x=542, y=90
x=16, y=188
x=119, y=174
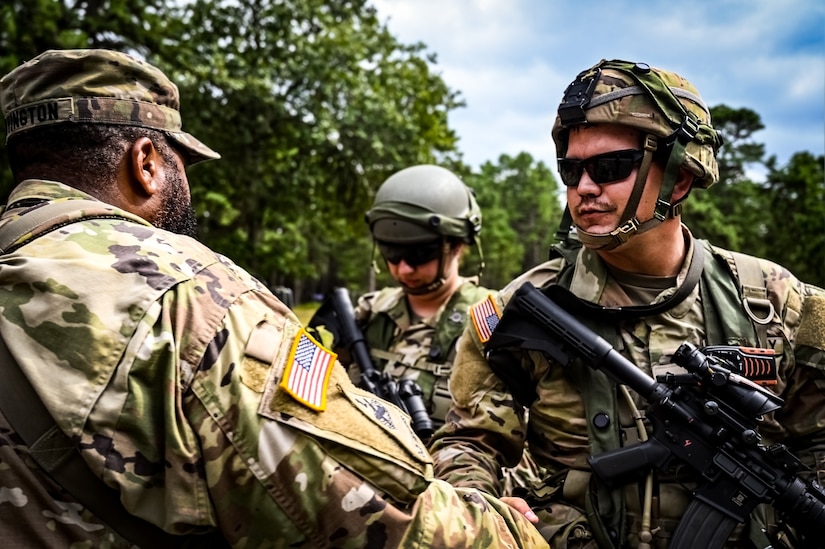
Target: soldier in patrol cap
x=632, y=142
x=161, y=395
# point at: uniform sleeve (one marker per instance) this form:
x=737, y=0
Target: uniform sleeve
x=803, y=414
x=348, y=472
x=485, y=428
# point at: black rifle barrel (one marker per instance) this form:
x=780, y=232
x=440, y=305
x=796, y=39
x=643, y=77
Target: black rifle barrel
x=351, y=334
x=594, y=350
x=338, y=316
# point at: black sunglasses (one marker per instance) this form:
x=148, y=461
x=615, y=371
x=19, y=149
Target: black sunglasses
x=602, y=168
x=413, y=255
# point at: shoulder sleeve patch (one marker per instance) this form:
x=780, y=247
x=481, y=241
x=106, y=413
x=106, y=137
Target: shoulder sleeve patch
x=307, y=371
x=812, y=326
x=485, y=315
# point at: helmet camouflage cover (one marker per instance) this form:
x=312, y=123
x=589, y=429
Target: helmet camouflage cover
x=651, y=100
x=421, y=203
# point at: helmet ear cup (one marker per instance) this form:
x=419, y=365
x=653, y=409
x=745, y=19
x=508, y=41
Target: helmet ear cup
x=423, y=202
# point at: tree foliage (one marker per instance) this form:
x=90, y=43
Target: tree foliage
x=795, y=200
x=521, y=211
x=781, y=218
x=313, y=104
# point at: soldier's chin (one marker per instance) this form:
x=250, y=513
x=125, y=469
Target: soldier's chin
x=594, y=229
x=413, y=287
x=421, y=288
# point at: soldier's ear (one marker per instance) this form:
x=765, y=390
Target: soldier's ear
x=682, y=186
x=145, y=166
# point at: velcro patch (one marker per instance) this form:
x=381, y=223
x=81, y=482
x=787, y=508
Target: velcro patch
x=390, y=418
x=485, y=317
x=307, y=371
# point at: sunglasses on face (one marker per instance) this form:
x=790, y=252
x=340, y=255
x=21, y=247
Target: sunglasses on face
x=413, y=255
x=603, y=168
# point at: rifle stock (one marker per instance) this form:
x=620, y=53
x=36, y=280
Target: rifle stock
x=705, y=420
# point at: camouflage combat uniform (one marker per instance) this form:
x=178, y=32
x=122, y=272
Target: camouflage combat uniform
x=425, y=351
x=486, y=429
x=418, y=349
x=166, y=362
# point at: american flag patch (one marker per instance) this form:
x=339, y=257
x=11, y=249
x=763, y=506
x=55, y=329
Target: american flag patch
x=307, y=372
x=485, y=317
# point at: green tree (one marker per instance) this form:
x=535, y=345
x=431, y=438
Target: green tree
x=781, y=218
x=312, y=103
x=520, y=209
x=796, y=234
x=729, y=213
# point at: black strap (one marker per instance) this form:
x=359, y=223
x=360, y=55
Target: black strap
x=571, y=302
x=58, y=456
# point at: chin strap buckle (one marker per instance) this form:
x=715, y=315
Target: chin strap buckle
x=626, y=230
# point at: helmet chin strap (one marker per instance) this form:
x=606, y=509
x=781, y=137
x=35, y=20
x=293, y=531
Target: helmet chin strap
x=629, y=224
x=439, y=280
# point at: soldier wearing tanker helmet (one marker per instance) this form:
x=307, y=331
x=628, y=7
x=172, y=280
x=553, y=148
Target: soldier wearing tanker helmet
x=153, y=391
x=632, y=142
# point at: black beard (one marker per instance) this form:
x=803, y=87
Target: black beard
x=176, y=214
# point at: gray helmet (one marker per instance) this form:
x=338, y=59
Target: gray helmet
x=422, y=203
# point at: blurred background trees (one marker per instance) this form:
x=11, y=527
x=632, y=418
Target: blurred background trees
x=313, y=103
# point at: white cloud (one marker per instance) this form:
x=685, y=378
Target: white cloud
x=512, y=60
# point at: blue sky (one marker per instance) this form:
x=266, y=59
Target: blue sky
x=512, y=59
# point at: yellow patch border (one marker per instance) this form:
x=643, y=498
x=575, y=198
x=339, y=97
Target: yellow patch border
x=475, y=321
x=291, y=363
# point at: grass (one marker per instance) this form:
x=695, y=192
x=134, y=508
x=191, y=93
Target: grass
x=304, y=311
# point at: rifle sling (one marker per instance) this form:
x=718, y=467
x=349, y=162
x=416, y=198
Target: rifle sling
x=50, y=447
x=613, y=315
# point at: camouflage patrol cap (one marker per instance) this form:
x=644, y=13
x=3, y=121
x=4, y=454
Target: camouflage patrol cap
x=94, y=86
x=649, y=99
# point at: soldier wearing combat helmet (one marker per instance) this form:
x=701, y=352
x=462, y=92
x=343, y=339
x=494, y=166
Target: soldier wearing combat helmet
x=632, y=142
x=422, y=220
x=153, y=393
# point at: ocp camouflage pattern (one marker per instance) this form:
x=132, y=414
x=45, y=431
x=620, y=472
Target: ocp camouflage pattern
x=384, y=316
x=487, y=429
x=163, y=359
x=94, y=86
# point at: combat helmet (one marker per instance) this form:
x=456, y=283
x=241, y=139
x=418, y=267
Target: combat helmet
x=424, y=203
x=671, y=115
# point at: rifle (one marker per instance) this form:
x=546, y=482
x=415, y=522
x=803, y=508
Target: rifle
x=336, y=315
x=705, y=420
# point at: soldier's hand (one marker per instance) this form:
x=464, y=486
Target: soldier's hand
x=521, y=506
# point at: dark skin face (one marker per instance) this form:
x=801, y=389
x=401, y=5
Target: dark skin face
x=154, y=186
